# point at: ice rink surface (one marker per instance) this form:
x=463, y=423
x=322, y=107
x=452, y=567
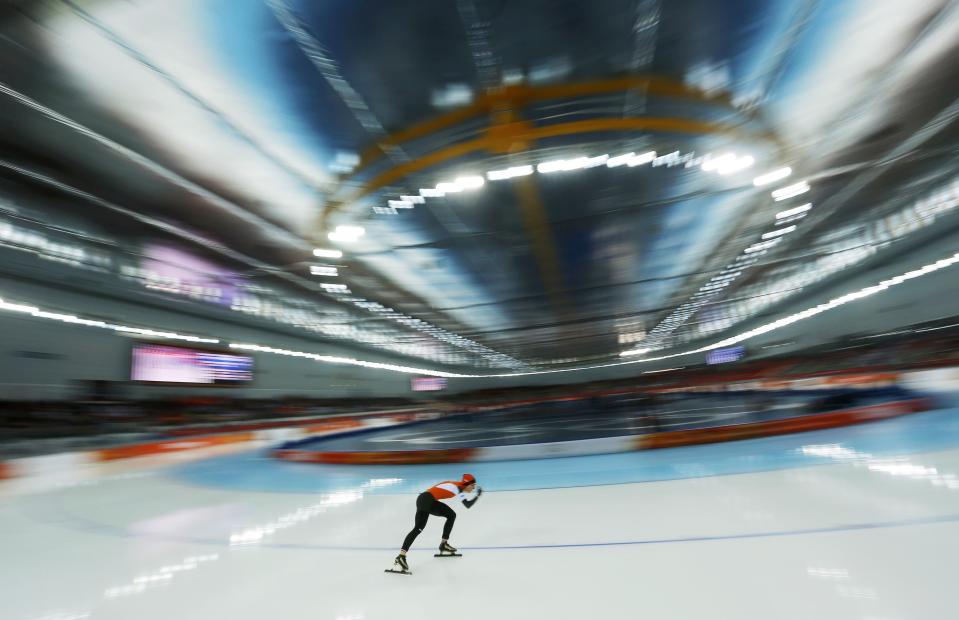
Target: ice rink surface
x=853, y=523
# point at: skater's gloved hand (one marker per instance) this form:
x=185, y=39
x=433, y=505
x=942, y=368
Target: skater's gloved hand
x=479, y=491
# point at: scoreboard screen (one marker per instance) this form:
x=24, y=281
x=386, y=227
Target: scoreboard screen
x=428, y=384
x=725, y=356
x=160, y=363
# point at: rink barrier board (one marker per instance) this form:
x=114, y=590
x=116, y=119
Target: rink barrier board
x=337, y=427
x=801, y=424
x=31, y=466
x=174, y=445
x=608, y=445
x=333, y=426
x=391, y=457
x=318, y=422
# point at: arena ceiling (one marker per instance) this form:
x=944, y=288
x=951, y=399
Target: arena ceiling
x=541, y=183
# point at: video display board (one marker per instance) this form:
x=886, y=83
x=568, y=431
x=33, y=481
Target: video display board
x=160, y=363
x=428, y=384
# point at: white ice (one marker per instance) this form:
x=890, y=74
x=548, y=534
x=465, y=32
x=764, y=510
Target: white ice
x=853, y=540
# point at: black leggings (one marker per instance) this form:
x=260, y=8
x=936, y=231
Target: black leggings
x=427, y=505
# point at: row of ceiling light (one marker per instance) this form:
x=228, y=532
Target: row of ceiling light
x=438, y=333
x=48, y=248
x=750, y=255
x=75, y=320
x=768, y=327
x=724, y=164
x=848, y=246
x=352, y=233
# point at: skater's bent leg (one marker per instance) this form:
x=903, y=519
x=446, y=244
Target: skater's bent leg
x=419, y=524
x=424, y=503
x=449, y=525
x=442, y=510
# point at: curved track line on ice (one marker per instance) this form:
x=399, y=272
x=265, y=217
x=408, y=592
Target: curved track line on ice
x=256, y=471
x=63, y=518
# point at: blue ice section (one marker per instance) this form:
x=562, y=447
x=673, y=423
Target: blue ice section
x=256, y=471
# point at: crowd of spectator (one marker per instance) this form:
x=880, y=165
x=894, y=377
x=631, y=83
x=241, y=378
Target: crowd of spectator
x=23, y=421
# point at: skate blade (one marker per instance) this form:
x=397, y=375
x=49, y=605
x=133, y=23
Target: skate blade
x=447, y=555
x=398, y=572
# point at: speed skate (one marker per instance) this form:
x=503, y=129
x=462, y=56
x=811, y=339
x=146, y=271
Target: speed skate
x=400, y=566
x=447, y=551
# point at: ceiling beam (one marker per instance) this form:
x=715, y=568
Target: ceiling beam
x=517, y=96
x=500, y=137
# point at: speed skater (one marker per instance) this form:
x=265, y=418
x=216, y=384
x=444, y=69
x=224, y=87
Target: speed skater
x=430, y=502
